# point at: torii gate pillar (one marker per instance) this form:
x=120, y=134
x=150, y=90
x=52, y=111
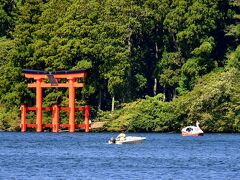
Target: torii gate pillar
x=71, y=105
x=39, y=105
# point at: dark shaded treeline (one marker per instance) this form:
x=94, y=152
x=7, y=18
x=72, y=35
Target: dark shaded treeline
x=133, y=49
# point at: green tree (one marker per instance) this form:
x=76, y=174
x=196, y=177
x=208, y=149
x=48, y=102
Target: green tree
x=191, y=29
x=7, y=17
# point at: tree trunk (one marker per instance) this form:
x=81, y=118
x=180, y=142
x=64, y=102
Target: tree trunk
x=155, y=79
x=155, y=87
x=156, y=50
x=100, y=99
x=174, y=93
x=164, y=93
x=113, y=101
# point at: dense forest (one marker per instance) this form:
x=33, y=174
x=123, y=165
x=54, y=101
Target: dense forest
x=155, y=65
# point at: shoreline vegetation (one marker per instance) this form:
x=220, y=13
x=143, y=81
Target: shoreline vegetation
x=214, y=102
x=155, y=66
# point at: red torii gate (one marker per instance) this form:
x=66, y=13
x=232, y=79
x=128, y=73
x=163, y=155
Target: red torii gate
x=71, y=84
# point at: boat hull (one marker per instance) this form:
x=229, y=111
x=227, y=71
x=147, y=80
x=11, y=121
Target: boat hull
x=129, y=140
x=192, y=134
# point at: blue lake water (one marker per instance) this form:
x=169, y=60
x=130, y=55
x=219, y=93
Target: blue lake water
x=88, y=156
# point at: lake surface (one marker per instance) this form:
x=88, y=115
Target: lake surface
x=88, y=156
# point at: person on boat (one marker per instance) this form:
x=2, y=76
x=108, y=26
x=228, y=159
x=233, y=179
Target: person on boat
x=121, y=136
x=112, y=141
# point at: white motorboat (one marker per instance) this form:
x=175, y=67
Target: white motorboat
x=192, y=130
x=128, y=140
